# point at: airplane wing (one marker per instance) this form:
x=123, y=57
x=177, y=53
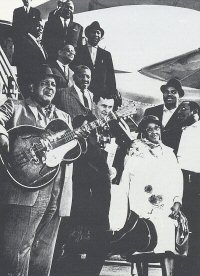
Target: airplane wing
x=121, y=71
x=185, y=67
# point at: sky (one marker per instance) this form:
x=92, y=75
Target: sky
x=141, y=35
x=138, y=36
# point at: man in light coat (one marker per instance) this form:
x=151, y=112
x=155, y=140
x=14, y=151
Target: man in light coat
x=30, y=219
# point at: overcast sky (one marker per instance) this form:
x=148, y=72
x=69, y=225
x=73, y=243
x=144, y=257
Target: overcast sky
x=138, y=36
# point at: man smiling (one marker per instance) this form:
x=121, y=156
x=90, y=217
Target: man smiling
x=60, y=28
x=166, y=113
x=30, y=219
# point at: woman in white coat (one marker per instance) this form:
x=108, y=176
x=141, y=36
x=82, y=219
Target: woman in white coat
x=153, y=182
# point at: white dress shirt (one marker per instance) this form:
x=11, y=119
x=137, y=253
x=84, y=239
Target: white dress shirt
x=64, y=68
x=189, y=148
x=93, y=52
x=167, y=115
x=64, y=21
x=27, y=9
x=88, y=95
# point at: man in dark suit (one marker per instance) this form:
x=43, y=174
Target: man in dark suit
x=31, y=55
x=61, y=66
x=100, y=63
x=77, y=99
x=167, y=113
x=30, y=219
x=60, y=29
x=22, y=20
x=23, y=17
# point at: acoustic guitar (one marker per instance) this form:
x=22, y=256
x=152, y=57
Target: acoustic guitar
x=35, y=154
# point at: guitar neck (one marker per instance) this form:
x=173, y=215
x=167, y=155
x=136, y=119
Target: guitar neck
x=85, y=128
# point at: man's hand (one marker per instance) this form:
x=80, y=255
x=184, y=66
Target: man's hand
x=83, y=131
x=175, y=210
x=4, y=143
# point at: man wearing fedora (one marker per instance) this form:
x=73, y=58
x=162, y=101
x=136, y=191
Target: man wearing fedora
x=167, y=113
x=30, y=219
x=100, y=63
x=60, y=28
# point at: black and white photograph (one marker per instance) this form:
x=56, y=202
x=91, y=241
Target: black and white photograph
x=99, y=162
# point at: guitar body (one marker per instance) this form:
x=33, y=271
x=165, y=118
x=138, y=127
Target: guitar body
x=35, y=154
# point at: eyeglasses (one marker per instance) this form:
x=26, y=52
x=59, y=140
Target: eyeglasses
x=69, y=51
x=48, y=83
x=152, y=129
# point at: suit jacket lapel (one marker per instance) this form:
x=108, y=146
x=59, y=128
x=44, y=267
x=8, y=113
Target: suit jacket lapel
x=88, y=56
x=33, y=108
x=160, y=112
x=35, y=45
x=75, y=95
x=172, y=121
x=60, y=70
x=99, y=56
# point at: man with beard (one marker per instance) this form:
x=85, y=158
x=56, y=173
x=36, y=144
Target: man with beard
x=100, y=63
x=30, y=219
x=60, y=28
x=167, y=113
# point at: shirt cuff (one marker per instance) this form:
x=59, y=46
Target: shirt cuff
x=177, y=199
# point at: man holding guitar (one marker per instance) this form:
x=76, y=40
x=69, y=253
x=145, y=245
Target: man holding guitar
x=30, y=218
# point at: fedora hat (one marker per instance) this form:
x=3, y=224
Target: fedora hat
x=94, y=26
x=146, y=120
x=173, y=83
x=44, y=71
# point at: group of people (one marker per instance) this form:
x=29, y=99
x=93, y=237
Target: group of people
x=60, y=44
x=157, y=174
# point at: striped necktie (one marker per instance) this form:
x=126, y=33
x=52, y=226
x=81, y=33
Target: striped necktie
x=86, y=104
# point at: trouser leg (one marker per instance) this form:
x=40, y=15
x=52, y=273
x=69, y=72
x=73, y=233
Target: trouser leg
x=17, y=231
x=43, y=246
x=28, y=235
x=45, y=238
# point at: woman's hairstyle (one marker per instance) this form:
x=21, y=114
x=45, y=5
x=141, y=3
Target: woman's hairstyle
x=144, y=123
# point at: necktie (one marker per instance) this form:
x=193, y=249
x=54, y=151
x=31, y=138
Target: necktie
x=86, y=104
x=65, y=71
x=65, y=26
